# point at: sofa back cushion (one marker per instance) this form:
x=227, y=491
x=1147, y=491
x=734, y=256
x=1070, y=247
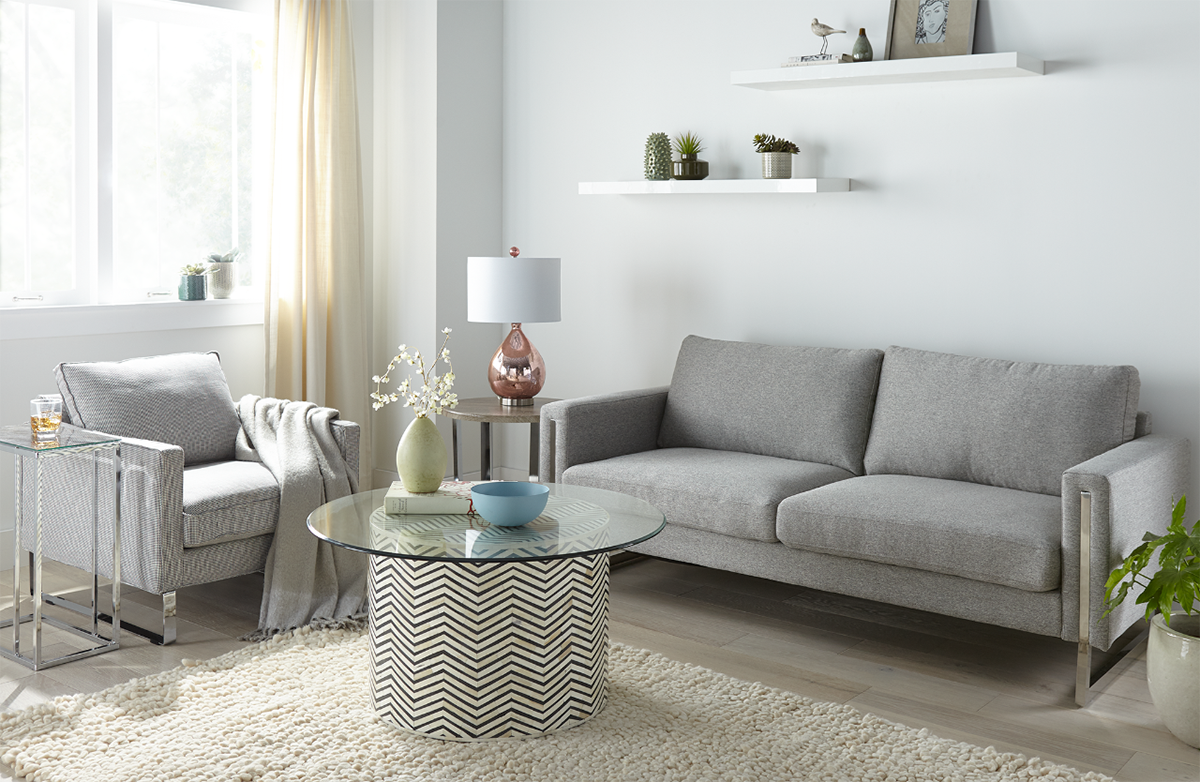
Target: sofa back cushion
x=1011, y=424
x=810, y=404
x=181, y=399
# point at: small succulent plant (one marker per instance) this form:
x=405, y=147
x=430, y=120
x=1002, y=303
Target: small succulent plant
x=658, y=157
x=765, y=143
x=233, y=255
x=688, y=144
x=196, y=270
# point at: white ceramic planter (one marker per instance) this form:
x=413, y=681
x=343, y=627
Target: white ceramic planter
x=1173, y=670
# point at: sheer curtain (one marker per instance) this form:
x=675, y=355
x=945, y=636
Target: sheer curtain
x=318, y=316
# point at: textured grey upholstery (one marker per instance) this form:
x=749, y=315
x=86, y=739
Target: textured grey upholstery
x=721, y=491
x=180, y=525
x=808, y=404
x=984, y=533
x=181, y=399
x=226, y=501
x=1001, y=423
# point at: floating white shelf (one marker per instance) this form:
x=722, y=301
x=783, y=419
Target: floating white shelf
x=969, y=66
x=673, y=186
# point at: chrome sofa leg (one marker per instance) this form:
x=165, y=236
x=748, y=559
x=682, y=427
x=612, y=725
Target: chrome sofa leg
x=160, y=638
x=1083, y=657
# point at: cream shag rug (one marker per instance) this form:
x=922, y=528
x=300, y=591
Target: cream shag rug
x=296, y=708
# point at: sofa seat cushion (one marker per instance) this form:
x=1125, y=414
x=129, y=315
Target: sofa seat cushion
x=984, y=533
x=1018, y=425
x=807, y=404
x=181, y=399
x=720, y=491
x=227, y=501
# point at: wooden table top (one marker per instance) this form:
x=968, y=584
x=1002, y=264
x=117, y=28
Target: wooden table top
x=487, y=409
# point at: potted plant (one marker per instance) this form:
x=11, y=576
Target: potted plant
x=776, y=156
x=224, y=273
x=688, y=167
x=193, y=282
x=1173, y=652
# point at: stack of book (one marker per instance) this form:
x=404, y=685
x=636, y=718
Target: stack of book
x=450, y=497
x=816, y=59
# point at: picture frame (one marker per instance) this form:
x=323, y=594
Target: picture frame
x=951, y=30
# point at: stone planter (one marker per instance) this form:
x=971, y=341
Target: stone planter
x=193, y=287
x=224, y=279
x=1173, y=671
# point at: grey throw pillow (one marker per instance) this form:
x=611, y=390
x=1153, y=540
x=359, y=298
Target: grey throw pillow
x=181, y=399
x=1012, y=424
x=811, y=404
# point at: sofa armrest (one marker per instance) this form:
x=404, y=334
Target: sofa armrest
x=591, y=428
x=151, y=513
x=1133, y=488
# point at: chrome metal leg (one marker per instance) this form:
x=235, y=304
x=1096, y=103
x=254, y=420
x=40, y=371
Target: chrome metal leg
x=455, y=449
x=167, y=619
x=1083, y=659
x=535, y=441
x=485, y=451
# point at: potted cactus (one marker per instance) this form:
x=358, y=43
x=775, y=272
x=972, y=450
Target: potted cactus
x=776, y=156
x=688, y=166
x=193, y=282
x=224, y=273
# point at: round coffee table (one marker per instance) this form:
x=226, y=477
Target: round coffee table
x=485, y=632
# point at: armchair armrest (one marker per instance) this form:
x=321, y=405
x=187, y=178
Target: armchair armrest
x=151, y=483
x=348, y=435
x=588, y=429
x=1132, y=488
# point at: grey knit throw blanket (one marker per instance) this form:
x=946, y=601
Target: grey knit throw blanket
x=307, y=580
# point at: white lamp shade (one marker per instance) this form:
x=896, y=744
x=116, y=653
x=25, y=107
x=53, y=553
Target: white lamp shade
x=513, y=290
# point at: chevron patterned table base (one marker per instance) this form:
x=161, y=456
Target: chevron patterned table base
x=485, y=650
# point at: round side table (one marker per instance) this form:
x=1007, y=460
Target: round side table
x=487, y=411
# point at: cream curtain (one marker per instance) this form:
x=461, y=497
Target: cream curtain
x=318, y=311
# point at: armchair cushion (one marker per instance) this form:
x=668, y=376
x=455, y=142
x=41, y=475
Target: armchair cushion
x=226, y=501
x=181, y=399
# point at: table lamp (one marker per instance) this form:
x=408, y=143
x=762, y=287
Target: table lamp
x=514, y=290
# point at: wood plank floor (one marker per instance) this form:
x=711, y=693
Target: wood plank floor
x=961, y=680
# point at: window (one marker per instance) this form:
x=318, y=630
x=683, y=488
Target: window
x=131, y=146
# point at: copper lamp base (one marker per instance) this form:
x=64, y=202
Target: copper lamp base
x=516, y=372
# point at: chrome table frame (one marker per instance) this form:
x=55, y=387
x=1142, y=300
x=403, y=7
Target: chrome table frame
x=91, y=630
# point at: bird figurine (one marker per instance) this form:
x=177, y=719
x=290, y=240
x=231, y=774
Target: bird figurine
x=822, y=31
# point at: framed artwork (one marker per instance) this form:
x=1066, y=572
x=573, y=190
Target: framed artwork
x=930, y=28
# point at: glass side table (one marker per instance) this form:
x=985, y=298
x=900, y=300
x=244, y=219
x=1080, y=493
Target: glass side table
x=85, y=458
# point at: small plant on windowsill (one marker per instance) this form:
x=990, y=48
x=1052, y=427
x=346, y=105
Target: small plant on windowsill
x=224, y=277
x=193, y=282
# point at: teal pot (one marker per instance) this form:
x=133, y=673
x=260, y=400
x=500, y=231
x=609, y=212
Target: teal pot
x=1173, y=671
x=421, y=456
x=224, y=279
x=776, y=165
x=688, y=167
x=193, y=288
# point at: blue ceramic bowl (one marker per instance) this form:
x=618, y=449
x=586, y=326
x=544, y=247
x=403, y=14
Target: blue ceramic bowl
x=510, y=503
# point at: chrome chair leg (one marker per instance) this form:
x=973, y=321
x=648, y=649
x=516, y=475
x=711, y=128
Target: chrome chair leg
x=155, y=636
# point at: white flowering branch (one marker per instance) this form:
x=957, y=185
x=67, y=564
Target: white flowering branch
x=434, y=394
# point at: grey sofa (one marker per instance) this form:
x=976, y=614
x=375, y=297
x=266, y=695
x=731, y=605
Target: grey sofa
x=958, y=485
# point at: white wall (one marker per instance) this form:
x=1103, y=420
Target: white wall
x=1042, y=219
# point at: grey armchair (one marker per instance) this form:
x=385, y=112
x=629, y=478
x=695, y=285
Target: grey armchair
x=190, y=512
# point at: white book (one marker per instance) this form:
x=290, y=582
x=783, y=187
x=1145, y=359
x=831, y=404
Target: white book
x=450, y=497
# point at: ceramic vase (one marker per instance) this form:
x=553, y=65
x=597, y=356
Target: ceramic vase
x=421, y=456
x=777, y=165
x=1173, y=671
x=193, y=287
x=224, y=279
x=862, y=51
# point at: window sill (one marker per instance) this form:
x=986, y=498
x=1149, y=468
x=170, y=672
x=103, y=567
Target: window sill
x=75, y=320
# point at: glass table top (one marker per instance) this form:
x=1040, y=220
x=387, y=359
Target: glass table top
x=21, y=437
x=578, y=520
